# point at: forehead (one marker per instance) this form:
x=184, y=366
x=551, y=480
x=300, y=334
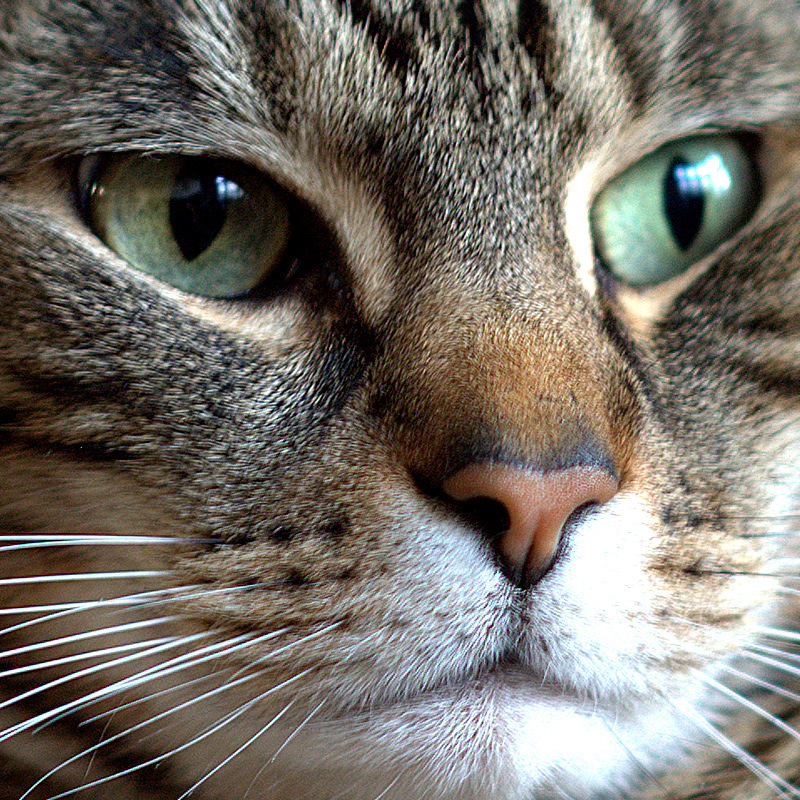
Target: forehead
x=468, y=66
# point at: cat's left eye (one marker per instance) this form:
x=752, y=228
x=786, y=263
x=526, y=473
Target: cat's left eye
x=674, y=207
x=209, y=227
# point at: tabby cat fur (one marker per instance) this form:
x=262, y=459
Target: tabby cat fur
x=232, y=566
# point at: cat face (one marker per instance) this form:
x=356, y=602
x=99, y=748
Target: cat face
x=398, y=401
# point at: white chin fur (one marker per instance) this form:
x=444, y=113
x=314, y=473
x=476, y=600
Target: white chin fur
x=493, y=742
x=596, y=720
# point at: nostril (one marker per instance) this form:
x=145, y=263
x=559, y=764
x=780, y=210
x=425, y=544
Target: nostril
x=535, y=506
x=487, y=515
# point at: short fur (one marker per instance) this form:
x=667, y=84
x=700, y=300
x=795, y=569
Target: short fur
x=285, y=455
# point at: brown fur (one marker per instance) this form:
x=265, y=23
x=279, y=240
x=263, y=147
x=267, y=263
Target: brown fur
x=288, y=449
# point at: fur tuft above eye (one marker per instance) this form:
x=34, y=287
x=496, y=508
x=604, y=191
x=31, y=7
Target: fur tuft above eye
x=674, y=207
x=208, y=227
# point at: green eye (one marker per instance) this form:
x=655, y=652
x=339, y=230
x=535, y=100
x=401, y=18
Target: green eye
x=212, y=228
x=674, y=207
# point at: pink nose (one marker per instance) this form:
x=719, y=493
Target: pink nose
x=537, y=503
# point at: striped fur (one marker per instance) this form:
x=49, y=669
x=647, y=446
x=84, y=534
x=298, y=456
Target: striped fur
x=227, y=566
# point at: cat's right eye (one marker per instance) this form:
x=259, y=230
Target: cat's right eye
x=206, y=226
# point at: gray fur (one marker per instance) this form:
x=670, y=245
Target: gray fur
x=289, y=449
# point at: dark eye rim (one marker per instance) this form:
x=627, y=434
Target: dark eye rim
x=311, y=247
x=751, y=141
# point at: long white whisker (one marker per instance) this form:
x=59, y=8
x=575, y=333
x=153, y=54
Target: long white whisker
x=611, y=727
x=286, y=741
x=747, y=760
x=90, y=698
x=209, y=732
x=208, y=653
x=200, y=656
x=776, y=663
x=89, y=654
x=150, y=721
x=389, y=787
x=82, y=637
x=229, y=646
x=84, y=576
x=291, y=736
x=779, y=633
x=235, y=678
x=273, y=653
x=162, y=670
x=238, y=750
x=141, y=600
x=101, y=537
x=147, y=699
x=148, y=599
x=750, y=705
x=85, y=540
x=64, y=609
x=772, y=687
x=240, y=642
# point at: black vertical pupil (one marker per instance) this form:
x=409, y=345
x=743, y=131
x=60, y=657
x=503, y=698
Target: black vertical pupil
x=198, y=207
x=684, y=201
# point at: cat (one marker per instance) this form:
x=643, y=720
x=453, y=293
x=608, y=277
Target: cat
x=399, y=400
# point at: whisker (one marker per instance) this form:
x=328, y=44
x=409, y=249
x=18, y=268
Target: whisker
x=210, y=652
x=744, y=573
x=89, y=605
x=99, y=694
x=389, y=787
x=186, y=745
x=757, y=517
x=148, y=698
x=184, y=661
x=84, y=576
x=121, y=648
x=286, y=741
x=779, y=633
x=767, y=776
x=750, y=706
x=290, y=737
x=82, y=637
x=242, y=641
x=238, y=750
x=196, y=657
x=777, y=663
x=772, y=687
x=150, y=721
x=32, y=542
x=281, y=650
x=141, y=600
x=612, y=728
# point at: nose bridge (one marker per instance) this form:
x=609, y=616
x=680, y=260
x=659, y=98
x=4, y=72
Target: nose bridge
x=502, y=384
x=545, y=370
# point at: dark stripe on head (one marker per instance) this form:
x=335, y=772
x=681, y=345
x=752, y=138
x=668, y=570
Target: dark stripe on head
x=398, y=47
x=629, y=29
x=535, y=31
x=471, y=20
